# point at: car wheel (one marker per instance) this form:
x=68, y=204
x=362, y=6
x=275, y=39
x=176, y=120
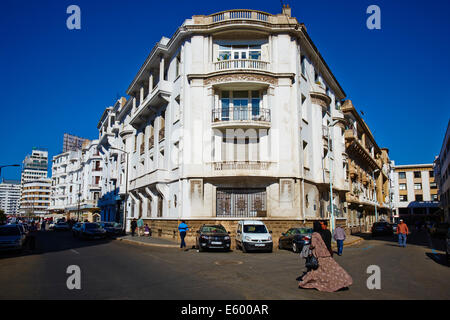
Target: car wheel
x=294, y=247
x=243, y=249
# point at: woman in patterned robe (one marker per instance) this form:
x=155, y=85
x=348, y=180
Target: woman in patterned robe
x=330, y=276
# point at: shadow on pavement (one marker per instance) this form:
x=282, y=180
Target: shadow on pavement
x=52, y=241
x=438, y=258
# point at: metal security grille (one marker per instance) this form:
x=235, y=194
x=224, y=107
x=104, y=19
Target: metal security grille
x=241, y=203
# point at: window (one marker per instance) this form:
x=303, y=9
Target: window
x=402, y=186
x=241, y=105
x=417, y=174
x=403, y=197
x=419, y=197
x=303, y=65
x=417, y=186
x=434, y=197
x=431, y=174
x=402, y=175
x=238, y=52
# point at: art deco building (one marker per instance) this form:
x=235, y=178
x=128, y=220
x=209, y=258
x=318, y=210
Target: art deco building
x=368, y=173
x=35, y=197
x=416, y=192
x=236, y=116
x=112, y=202
x=442, y=174
x=10, y=196
x=76, y=182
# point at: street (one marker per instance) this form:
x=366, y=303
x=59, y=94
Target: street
x=114, y=270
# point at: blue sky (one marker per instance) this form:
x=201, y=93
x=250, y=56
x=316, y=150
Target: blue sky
x=54, y=80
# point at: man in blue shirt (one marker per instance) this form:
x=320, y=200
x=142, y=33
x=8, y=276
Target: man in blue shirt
x=182, y=228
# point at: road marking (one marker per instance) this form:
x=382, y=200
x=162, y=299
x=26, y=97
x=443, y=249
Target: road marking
x=74, y=251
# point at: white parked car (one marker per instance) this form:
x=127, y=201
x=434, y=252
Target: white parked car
x=253, y=235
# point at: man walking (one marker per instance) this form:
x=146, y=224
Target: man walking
x=402, y=231
x=339, y=236
x=140, y=225
x=133, y=227
x=182, y=228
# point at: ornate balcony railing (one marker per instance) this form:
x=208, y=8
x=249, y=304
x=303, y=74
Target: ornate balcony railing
x=240, y=14
x=240, y=114
x=251, y=64
x=241, y=165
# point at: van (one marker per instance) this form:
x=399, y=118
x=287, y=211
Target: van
x=253, y=235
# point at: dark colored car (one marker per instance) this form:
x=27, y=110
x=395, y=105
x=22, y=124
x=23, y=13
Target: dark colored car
x=295, y=238
x=90, y=230
x=12, y=237
x=394, y=227
x=381, y=228
x=76, y=229
x=61, y=226
x=213, y=237
x=113, y=229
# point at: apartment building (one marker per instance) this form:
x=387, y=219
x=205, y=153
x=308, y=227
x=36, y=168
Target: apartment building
x=368, y=173
x=10, y=191
x=72, y=143
x=76, y=182
x=111, y=201
x=35, y=166
x=416, y=192
x=442, y=175
x=236, y=116
x=35, y=197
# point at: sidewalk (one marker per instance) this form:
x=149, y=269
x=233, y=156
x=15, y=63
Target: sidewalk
x=149, y=241
x=350, y=240
x=167, y=243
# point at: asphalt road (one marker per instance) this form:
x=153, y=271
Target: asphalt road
x=115, y=270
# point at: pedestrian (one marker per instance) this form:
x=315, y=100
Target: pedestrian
x=133, y=227
x=326, y=236
x=140, y=225
x=183, y=228
x=329, y=276
x=339, y=236
x=146, y=230
x=402, y=231
x=43, y=225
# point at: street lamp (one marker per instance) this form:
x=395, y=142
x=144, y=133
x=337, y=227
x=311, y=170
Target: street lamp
x=126, y=188
x=8, y=165
x=375, y=193
x=331, y=175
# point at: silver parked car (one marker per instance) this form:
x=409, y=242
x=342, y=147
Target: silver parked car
x=12, y=237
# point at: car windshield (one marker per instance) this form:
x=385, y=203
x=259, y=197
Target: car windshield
x=9, y=231
x=255, y=228
x=218, y=229
x=91, y=226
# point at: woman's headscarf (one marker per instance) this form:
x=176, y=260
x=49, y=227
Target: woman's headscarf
x=317, y=227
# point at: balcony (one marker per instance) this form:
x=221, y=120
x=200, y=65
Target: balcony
x=240, y=168
x=241, y=117
x=355, y=144
x=241, y=64
x=148, y=107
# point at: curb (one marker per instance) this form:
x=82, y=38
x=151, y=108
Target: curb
x=139, y=243
x=354, y=242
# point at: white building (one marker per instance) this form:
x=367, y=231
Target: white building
x=416, y=192
x=35, y=197
x=111, y=203
x=10, y=196
x=35, y=166
x=236, y=116
x=442, y=170
x=76, y=182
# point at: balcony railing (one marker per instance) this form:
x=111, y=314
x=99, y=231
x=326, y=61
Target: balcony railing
x=240, y=114
x=241, y=165
x=142, y=147
x=151, y=142
x=250, y=64
x=240, y=14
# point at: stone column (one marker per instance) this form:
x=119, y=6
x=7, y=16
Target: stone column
x=161, y=69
